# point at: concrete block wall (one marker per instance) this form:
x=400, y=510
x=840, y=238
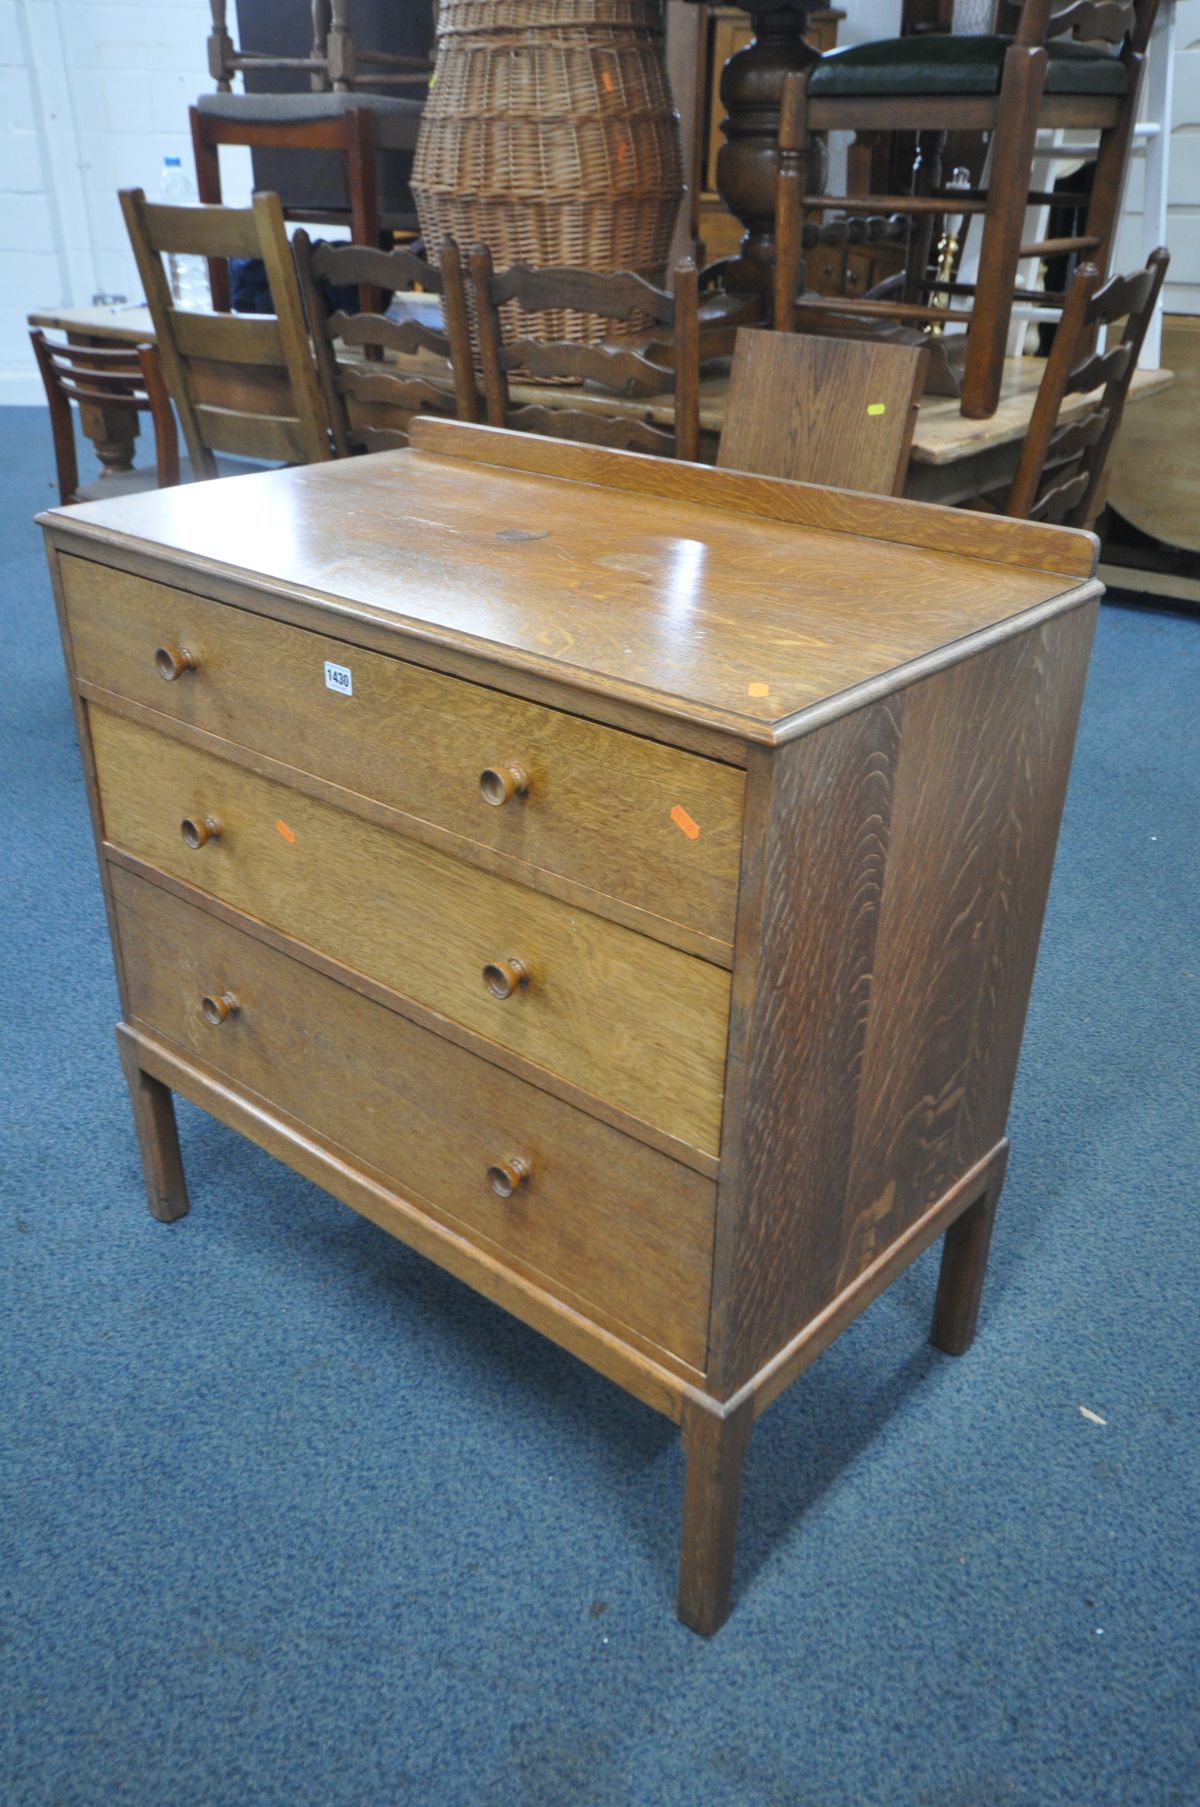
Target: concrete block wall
x=93, y=95
x=29, y=248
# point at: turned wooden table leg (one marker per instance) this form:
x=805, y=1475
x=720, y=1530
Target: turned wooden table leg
x=964, y=1264
x=713, y=1449
x=158, y=1138
x=112, y=431
x=747, y=164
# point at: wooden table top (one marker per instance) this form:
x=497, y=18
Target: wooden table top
x=734, y=602
x=942, y=435
x=124, y=325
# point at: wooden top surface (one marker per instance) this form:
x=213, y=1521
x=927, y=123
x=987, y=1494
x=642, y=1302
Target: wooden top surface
x=124, y=325
x=667, y=586
x=942, y=435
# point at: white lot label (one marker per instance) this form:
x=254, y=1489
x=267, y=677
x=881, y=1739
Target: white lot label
x=337, y=677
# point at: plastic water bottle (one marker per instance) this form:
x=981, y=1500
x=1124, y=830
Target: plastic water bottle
x=188, y=276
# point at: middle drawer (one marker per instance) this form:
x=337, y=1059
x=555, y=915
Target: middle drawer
x=621, y=1016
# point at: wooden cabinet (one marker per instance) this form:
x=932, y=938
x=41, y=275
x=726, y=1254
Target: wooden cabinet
x=620, y=880
x=834, y=270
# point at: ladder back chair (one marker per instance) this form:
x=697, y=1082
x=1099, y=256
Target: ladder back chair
x=838, y=412
x=369, y=405
x=625, y=371
x=333, y=115
x=1077, y=67
x=245, y=384
x=127, y=378
x=1062, y=472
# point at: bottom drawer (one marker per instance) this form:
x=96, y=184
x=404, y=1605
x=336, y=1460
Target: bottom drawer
x=590, y=1211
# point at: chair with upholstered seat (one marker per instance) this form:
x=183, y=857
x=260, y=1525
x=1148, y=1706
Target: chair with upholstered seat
x=335, y=115
x=1077, y=67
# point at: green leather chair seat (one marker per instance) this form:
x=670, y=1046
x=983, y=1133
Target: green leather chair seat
x=944, y=65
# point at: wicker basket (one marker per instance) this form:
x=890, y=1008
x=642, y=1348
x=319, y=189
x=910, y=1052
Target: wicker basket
x=549, y=136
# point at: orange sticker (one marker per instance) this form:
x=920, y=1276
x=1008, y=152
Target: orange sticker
x=758, y=690
x=606, y=81
x=685, y=823
x=288, y=834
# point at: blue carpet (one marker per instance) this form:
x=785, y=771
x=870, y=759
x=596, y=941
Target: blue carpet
x=293, y=1517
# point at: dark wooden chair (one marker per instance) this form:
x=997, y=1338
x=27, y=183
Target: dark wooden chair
x=1076, y=67
x=369, y=406
x=334, y=115
x=1063, y=468
x=839, y=412
x=127, y=378
x=245, y=384
x=335, y=62
x=664, y=361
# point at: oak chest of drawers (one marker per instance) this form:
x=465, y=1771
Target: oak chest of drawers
x=620, y=880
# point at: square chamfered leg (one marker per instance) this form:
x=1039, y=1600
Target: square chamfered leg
x=158, y=1138
x=714, y=1446
x=964, y=1265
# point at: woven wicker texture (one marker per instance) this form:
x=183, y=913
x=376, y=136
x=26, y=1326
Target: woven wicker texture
x=495, y=16
x=549, y=135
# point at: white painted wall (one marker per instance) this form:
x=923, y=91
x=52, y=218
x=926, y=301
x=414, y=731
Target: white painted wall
x=93, y=95
x=1181, y=292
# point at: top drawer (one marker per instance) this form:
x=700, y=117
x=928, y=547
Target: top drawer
x=649, y=824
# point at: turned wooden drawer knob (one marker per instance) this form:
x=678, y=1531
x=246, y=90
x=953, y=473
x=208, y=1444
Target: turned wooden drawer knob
x=196, y=830
x=501, y=783
x=504, y=977
x=216, y=1008
x=170, y=662
x=508, y=1177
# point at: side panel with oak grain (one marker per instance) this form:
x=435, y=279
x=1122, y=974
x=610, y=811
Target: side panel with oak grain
x=818, y=821
x=983, y=772
x=638, y=1023
x=883, y=964
x=614, y=1223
